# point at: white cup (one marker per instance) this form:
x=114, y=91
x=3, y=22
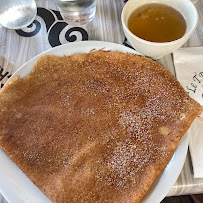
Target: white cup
x=157, y=50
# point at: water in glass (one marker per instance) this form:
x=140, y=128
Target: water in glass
x=77, y=12
x=16, y=14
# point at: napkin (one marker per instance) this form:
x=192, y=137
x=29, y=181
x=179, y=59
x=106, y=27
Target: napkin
x=189, y=72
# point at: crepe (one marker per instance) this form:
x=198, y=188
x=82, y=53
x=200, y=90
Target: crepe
x=96, y=127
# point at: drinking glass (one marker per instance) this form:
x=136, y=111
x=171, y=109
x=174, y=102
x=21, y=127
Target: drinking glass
x=16, y=14
x=77, y=12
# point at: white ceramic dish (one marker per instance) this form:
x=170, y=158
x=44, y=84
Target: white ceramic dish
x=157, y=50
x=16, y=187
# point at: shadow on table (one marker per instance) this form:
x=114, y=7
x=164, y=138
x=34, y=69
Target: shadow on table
x=198, y=198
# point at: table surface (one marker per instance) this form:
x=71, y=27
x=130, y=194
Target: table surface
x=49, y=30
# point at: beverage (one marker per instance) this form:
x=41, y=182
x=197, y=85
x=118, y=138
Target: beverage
x=77, y=12
x=16, y=14
x=157, y=23
x=156, y=50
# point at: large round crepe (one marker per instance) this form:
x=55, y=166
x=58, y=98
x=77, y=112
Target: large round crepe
x=95, y=127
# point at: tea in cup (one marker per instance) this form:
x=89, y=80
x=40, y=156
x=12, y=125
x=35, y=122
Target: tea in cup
x=158, y=27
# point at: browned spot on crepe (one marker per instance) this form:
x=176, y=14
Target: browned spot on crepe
x=95, y=127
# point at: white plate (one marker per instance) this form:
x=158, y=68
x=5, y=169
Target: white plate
x=17, y=188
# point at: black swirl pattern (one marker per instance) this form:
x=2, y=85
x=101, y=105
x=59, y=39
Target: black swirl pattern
x=126, y=43
x=73, y=37
x=54, y=26
x=56, y=30
x=3, y=75
x=30, y=34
